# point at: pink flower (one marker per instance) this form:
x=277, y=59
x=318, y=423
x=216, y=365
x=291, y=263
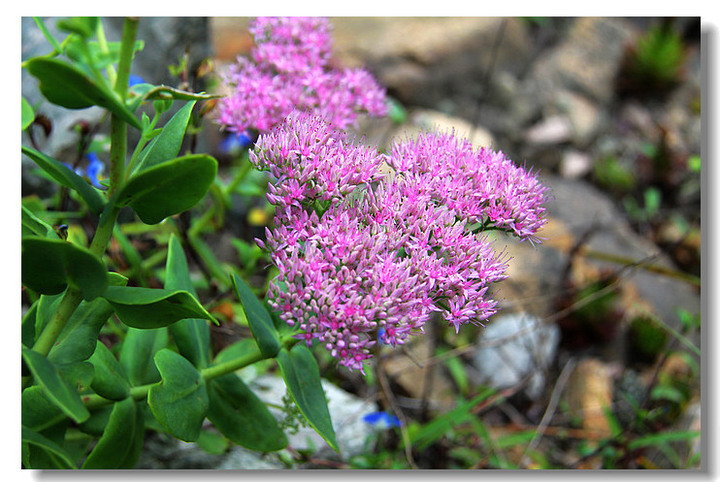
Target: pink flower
x=289, y=69
x=362, y=257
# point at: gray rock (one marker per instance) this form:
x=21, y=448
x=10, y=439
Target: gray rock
x=587, y=60
x=579, y=206
x=515, y=346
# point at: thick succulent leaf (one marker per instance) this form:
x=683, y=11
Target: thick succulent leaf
x=258, y=317
x=168, y=188
x=302, y=377
x=180, y=401
x=153, y=308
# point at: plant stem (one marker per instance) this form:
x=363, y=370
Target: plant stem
x=118, y=127
x=127, y=49
x=49, y=335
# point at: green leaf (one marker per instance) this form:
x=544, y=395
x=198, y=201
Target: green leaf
x=32, y=225
x=66, y=86
x=66, y=177
x=212, y=443
x=33, y=438
x=77, y=341
x=77, y=374
x=661, y=438
x=166, y=146
x=57, y=389
x=38, y=412
x=49, y=265
x=27, y=327
x=180, y=401
x=28, y=114
x=137, y=352
x=168, y=188
x=95, y=425
x=112, y=448
x=302, y=377
x=83, y=26
x=192, y=336
x=242, y=417
x=153, y=308
x=261, y=323
x=110, y=380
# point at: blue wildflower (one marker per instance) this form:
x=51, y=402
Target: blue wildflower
x=381, y=420
x=235, y=142
x=135, y=80
x=94, y=169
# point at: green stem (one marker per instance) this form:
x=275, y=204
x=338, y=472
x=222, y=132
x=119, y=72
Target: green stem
x=127, y=49
x=52, y=330
x=118, y=127
x=118, y=153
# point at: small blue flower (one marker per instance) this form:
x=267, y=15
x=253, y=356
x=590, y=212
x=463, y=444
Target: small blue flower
x=135, y=80
x=381, y=333
x=381, y=420
x=235, y=142
x=94, y=169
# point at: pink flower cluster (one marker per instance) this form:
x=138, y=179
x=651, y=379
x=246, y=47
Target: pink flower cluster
x=362, y=255
x=491, y=190
x=289, y=69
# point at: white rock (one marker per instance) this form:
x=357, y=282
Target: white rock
x=575, y=164
x=529, y=349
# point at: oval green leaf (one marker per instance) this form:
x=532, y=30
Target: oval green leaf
x=242, y=417
x=168, y=188
x=110, y=380
x=167, y=144
x=38, y=412
x=153, y=308
x=66, y=177
x=66, y=86
x=49, y=265
x=78, y=340
x=180, y=401
x=302, y=377
x=58, y=390
x=261, y=323
x=192, y=336
x=114, y=445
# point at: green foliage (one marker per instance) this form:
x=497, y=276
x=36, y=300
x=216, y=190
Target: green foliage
x=55, y=387
x=612, y=175
x=116, y=448
x=153, y=308
x=180, y=401
x=169, y=187
x=50, y=265
x=67, y=86
x=260, y=320
x=302, y=377
x=242, y=417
